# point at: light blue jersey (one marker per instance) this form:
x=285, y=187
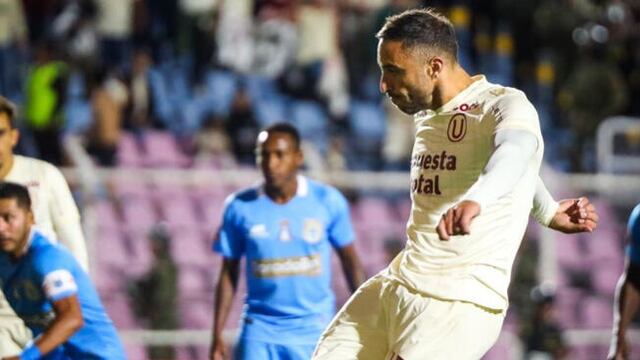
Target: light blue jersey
x=288, y=259
x=633, y=228
x=48, y=273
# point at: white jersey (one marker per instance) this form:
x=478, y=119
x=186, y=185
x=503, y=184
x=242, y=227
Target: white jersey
x=55, y=211
x=452, y=146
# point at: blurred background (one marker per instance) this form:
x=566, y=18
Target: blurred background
x=152, y=108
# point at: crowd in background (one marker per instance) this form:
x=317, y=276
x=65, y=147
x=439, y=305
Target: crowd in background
x=214, y=71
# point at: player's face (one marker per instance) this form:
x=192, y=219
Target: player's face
x=8, y=138
x=15, y=226
x=278, y=158
x=405, y=77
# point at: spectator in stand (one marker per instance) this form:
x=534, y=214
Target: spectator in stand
x=13, y=40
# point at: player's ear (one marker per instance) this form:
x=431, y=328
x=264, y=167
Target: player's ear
x=15, y=136
x=434, y=67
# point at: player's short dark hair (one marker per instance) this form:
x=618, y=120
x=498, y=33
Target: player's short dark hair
x=285, y=128
x=9, y=190
x=421, y=28
x=7, y=107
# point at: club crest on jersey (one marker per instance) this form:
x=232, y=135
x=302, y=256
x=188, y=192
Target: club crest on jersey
x=312, y=231
x=285, y=233
x=457, y=128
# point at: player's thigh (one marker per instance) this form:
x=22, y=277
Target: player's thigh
x=448, y=330
x=358, y=330
x=247, y=349
x=14, y=336
x=295, y=352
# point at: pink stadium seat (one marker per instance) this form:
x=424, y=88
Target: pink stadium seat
x=106, y=215
x=137, y=352
x=120, y=312
x=179, y=211
x=139, y=213
x=191, y=280
x=196, y=314
x=161, y=150
x=566, y=304
x=605, y=275
x=597, y=313
x=129, y=153
x=188, y=247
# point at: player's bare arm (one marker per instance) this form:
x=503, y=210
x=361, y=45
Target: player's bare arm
x=68, y=320
x=575, y=216
x=351, y=266
x=626, y=306
x=226, y=288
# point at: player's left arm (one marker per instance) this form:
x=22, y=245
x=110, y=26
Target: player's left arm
x=54, y=272
x=351, y=265
x=66, y=217
x=513, y=148
x=341, y=236
x=567, y=216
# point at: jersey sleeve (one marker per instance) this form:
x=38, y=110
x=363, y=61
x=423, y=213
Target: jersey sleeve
x=514, y=111
x=65, y=216
x=230, y=241
x=633, y=229
x=55, y=272
x=340, y=230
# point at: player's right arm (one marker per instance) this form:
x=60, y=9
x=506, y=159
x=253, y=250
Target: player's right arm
x=627, y=298
x=230, y=243
x=65, y=216
x=225, y=290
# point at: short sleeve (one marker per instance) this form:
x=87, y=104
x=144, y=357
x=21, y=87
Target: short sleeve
x=230, y=241
x=633, y=229
x=340, y=230
x=55, y=270
x=515, y=111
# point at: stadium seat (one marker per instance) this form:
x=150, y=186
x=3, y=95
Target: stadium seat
x=129, y=153
x=161, y=150
x=597, y=313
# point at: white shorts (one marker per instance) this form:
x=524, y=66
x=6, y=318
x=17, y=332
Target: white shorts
x=384, y=319
x=14, y=335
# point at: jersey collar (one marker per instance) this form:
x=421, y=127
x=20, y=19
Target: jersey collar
x=478, y=80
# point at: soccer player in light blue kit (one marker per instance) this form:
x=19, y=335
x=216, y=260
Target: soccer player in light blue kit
x=627, y=300
x=49, y=290
x=285, y=227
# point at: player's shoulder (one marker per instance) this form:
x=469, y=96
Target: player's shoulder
x=242, y=197
x=324, y=192
x=34, y=168
x=499, y=96
x=634, y=220
x=46, y=253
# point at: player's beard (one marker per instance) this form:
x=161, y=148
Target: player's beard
x=411, y=101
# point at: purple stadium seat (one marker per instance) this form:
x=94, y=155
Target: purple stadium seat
x=196, y=314
x=188, y=247
x=106, y=214
x=120, y=312
x=139, y=213
x=191, y=280
x=161, y=150
x=605, y=275
x=566, y=305
x=125, y=188
x=128, y=152
x=109, y=247
x=597, y=313
x=178, y=211
x=136, y=352
x=373, y=212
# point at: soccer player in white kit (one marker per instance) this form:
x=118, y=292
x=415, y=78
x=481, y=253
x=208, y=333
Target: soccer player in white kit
x=474, y=182
x=55, y=211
